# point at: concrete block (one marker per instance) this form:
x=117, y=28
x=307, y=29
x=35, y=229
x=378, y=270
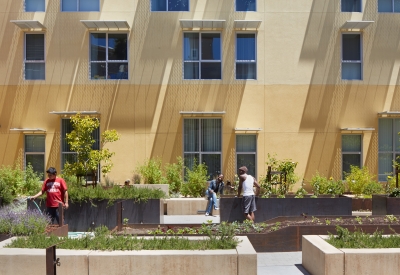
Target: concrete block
x=372, y=261
x=247, y=257
x=187, y=206
x=321, y=258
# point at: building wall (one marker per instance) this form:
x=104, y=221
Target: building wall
x=298, y=99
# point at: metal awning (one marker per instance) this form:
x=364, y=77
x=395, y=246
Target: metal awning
x=358, y=129
x=360, y=25
x=247, y=24
x=75, y=112
x=28, y=24
x=201, y=23
x=248, y=129
x=202, y=113
x=106, y=24
x=28, y=129
x=389, y=113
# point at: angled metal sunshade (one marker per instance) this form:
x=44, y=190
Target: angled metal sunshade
x=75, y=112
x=247, y=24
x=201, y=23
x=28, y=130
x=356, y=24
x=106, y=24
x=28, y=24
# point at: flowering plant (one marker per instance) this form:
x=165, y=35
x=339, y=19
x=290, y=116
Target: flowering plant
x=26, y=222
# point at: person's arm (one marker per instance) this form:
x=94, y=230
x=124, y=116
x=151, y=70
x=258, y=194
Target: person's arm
x=258, y=187
x=210, y=187
x=66, y=199
x=37, y=195
x=241, y=180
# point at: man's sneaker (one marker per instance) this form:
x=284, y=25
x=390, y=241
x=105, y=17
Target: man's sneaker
x=207, y=214
x=216, y=208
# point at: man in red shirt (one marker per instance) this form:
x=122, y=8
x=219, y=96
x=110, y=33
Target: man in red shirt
x=56, y=190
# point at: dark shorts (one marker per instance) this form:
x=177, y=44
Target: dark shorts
x=249, y=204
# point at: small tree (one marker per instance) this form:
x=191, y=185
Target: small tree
x=81, y=142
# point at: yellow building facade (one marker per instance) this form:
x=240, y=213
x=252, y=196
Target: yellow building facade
x=314, y=81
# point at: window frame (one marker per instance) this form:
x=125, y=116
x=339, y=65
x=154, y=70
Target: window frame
x=341, y=6
x=35, y=153
x=108, y=61
x=151, y=1
x=44, y=5
x=200, y=60
x=35, y=61
x=377, y=3
x=246, y=61
x=199, y=149
x=78, y=1
x=352, y=152
x=393, y=152
x=247, y=153
x=352, y=61
x=255, y=7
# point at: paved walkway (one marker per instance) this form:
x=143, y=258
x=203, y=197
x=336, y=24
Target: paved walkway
x=277, y=263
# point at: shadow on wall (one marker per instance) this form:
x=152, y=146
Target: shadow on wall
x=333, y=103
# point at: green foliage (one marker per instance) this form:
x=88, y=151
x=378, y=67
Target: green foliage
x=390, y=184
x=301, y=192
x=373, y=187
x=196, y=181
x=358, y=239
x=224, y=238
x=395, y=193
x=151, y=171
x=77, y=193
x=173, y=174
x=81, y=141
x=322, y=185
x=287, y=167
x=14, y=181
x=358, y=179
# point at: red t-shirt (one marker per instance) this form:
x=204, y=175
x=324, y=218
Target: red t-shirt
x=55, y=190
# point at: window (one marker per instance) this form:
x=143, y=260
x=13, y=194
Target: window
x=246, y=64
x=351, y=56
x=388, y=6
x=34, y=5
x=169, y=5
x=34, y=153
x=34, y=56
x=388, y=146
x=351, y=152
x=202, y=56
x=246, y=153
x=245, y=5
x=66, y=154
x=202, y=143
x=108, y=56
x=351, y=5
x=80, y=5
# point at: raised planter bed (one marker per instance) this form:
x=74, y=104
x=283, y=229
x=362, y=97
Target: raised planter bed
x=384, y=205
x=88, y=215
x=269, y=208
x=60, y=231
x=320, y=258
x=242, y=261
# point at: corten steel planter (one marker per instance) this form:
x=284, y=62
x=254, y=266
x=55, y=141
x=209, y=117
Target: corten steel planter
x=361, y=204
x=269, y=208
x=89, y=215
x=384, y=205
x=289, y=238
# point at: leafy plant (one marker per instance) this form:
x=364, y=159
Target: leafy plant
x=151, y=171
x=174, y=175
x=196, y=181
x=24, y=223
x=395, y=193
x=322, y=185
x=357, y=179
x=275, y=184
x=301, y=192
x=373, y=187
x=81, y=142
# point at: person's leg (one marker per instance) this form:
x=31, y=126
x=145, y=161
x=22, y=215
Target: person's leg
x=53, y=213
x=215, y=201
x=209, y=203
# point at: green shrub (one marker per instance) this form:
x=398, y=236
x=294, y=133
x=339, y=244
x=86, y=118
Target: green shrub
x=5, y=193
x=196, y=181
x=174, y=175
x=373, y=187
x=151, y=171
x=324, y=186
x=357, y=179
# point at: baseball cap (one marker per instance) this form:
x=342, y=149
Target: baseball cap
x=51, y=170
x=243, y=168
